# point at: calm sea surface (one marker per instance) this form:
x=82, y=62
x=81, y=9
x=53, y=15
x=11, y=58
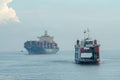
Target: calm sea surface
x=60, y=66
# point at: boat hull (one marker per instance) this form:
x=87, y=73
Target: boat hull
x=37, y=50
x=82, y=61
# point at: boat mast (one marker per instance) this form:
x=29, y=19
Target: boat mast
x=84, y=34
x=45, y=33
x=88, y=35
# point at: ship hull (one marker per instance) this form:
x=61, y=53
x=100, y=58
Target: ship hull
x=37, y=50
x=87, y=54
x=82, y=61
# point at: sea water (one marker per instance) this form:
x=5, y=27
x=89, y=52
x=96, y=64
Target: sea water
x=60, y=66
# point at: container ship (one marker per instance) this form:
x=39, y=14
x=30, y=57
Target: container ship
x=87, y=50
x=45, y=45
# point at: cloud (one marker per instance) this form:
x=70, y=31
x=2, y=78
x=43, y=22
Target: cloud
x=7, y=13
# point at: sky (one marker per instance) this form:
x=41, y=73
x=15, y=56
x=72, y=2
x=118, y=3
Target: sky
x=66, y=20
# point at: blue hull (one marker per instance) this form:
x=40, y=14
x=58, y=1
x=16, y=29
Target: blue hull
x=37, y=50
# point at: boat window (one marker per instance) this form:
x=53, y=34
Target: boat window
x=88, y=42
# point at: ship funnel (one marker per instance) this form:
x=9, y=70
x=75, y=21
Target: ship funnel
x=77, y=42
x=95, y=42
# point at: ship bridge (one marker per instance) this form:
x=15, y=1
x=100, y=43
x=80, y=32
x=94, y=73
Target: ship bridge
x=46, y=38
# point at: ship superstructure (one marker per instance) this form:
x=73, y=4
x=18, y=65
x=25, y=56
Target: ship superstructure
x=87, y=50
x=45, y=45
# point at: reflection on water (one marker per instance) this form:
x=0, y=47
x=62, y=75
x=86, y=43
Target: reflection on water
x=60, y=66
